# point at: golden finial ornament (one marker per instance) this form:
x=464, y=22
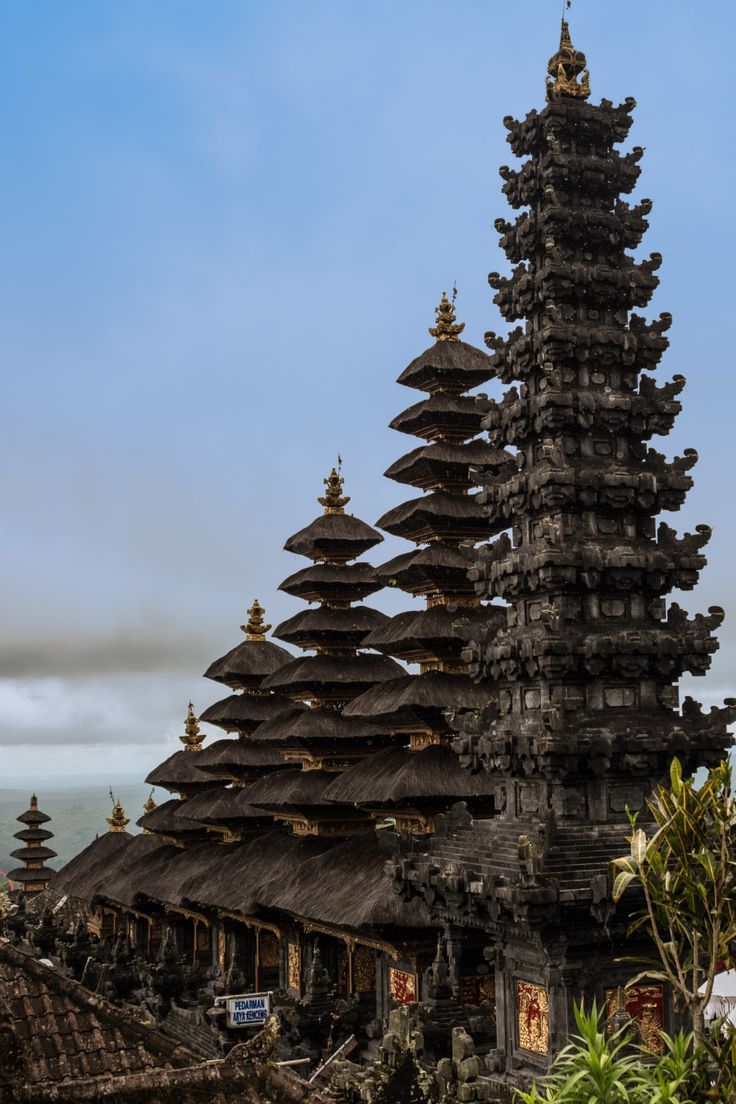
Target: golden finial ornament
x=254, y=628
x=565, y=67
x=34, y=802
x=192, y=738
x=149, y=804
x=118, y=820
x=445, y=327
x=333, y=500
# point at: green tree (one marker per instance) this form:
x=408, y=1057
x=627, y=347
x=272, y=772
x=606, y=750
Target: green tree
x=686, y=870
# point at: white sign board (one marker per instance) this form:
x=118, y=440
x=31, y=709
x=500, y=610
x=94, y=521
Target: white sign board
x=248, y=1009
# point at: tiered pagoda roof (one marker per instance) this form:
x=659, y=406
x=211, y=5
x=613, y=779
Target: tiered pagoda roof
x=34, y=875
x=321, y=739
x=446, y=522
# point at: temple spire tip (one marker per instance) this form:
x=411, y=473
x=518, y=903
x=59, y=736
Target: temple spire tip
x=446, y=328
x=333, y=500
x=565, y=67
x=255, y=629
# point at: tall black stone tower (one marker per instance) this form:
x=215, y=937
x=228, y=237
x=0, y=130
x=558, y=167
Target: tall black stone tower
x=585, y=672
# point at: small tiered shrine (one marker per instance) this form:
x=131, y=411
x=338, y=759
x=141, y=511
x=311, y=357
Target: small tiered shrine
x=585, y=670
x=34, y=875
x=420, y=775
x=322, y=741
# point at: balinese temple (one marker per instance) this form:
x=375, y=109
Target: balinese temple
x=585, y=671
x=365, y=837
x=322, y=741
x=33, y=876
x=420, y=775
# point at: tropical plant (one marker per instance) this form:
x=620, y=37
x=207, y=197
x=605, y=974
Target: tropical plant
x=602, y=1067
x=687, y=874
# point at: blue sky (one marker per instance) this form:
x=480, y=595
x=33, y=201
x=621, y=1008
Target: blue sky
x=224, y=229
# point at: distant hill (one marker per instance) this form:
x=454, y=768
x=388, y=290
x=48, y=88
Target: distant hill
x=77, y=816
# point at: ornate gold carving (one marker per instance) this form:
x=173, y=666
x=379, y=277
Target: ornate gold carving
x=565, y=67
x=294, y=966
x=192, y=738
x=420, y=740
x=446, y=328
x=118, y=820
x=477, y=989
x=413, y=823
x=270, y=955
x=333, y=500
x=149, y=804
x=532, y=1004
x=364, y=970
x=254, y=627
x=645, y=1006
x=402, y=986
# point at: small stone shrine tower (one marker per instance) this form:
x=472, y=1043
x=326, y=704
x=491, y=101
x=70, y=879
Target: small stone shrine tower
x=33, y=876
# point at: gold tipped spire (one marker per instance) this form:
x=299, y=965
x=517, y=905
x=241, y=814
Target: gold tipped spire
x=192, y=738
x=333, y=500
x=118, y=820
x=565, y=67
x=446, y=328
x=254, y=628
x=34, y=802
x=149, y=804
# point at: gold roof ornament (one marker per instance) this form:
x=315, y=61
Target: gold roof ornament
x=34, y=802
x=565, y=67
x=118, y=820
x=445, y=327
x=333, y=500
x=254, y=628
x=192, y=738
x=149, y=804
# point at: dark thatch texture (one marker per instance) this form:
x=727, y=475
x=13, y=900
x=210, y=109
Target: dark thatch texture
x=137, y=870
x=439, y=568
x=431, y=633
x=324, y=889
x=327, y=626
x=332, y=678
x=240, y=758
x=22, y=875
x=180, y=773
x=441, y=415
x=226, y=805
x=82, y=875
x=319, y=728
x=449, y=465
x=437, y=515
x=328, y=582
x=244, y=712
x=334, y=537
x=248, y=663
x=419, y=697
x=33, y=834
x=33, y=853
x=64, y=1033
x=396, y=776
x=294, y=790
x=33, y=816
x=166, y=820
x=245, y=876
x=452, y=366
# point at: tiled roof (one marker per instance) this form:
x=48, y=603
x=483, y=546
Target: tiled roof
x=58, y=1031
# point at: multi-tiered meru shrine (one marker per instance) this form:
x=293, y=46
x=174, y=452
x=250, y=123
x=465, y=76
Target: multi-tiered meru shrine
x=442, y=838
